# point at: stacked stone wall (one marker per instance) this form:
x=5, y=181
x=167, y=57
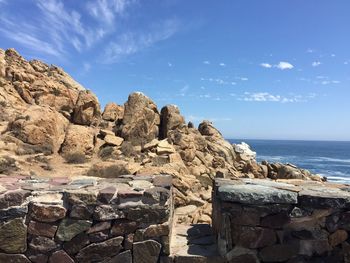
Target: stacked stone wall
x=62, y=220
x=289, y=221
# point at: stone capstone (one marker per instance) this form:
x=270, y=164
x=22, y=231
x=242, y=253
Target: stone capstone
x=256, y=194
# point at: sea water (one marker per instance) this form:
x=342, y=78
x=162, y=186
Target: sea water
x=327, y=158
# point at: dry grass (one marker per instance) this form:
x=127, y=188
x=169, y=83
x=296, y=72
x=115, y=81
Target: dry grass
x=75, y=158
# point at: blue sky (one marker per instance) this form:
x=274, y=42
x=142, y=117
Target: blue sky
x=267, y=69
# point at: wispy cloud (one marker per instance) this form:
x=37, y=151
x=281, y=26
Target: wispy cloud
x=54, y=31
x=107, y=10
x=266, y=65
x=206, y=62
x=222, y=64
x=283, y=65
x=268, y=97
x=316, y=63
x=131, y=43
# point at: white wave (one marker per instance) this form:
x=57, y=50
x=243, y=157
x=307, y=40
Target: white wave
x=275, y=157
x=328, y=159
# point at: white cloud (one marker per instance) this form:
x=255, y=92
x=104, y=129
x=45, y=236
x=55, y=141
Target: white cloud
x=244, y=78
x=222, y=64
x=86, y=67
x=170, y=64
x=316, y=63
x=107, y=10
x=268, y=97
x=184, y=90
x=332, y=55
x=206, y=62
x=284, y=65
x=266, y=65
x=131, y=43
x=309, y=50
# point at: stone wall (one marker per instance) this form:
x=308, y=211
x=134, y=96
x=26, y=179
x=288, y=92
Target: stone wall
x=62, y=220
x=281, y=221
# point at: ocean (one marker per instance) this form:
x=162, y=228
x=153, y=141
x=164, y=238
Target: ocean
x=330, y=159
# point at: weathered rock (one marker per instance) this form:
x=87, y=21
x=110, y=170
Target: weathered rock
x=253, y=237
x=79, y=139
x=146, y=251
x=256, y=194
x=108, y=212
x=76, y=243
x=60, y=257
x=47, y=213
x=170, y=119
x=100, y=251
x=141, y=119
x=13, y=236
x=13, y=258
x=40, y=126
x=164, y=147
x=206, y=128
x=113, y=112
x=125, y=257
x=69, y=228
x=42, y=244
x=338, y=237
x=87, y=109
x=242, y=255
x=113, y=140
x=41, y=229
x=279, y=252
x=123, y=227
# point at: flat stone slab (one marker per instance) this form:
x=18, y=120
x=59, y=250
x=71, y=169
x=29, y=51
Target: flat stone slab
x=256, y=194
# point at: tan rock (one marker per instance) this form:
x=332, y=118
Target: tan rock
x=170, y=120
x=79, y=139
x=113, y=112
x=87, y=109
x=141, y=119
x=113, y=140
x=164, y=147
x=41, y=126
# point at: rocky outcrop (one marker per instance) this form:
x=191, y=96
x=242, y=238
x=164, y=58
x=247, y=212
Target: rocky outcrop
x=40, y=126
x=45, y=115
x=87, y=109
x=78, y=139
x=113, y=112
x=170, y=119
x=141, y=119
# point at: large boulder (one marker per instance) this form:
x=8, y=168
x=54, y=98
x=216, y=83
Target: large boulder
x=87, y=109
x=79, y=139
x=113, y=112
x=170, y=119
x=40, y=126
x=141, y=119
x=207, y=128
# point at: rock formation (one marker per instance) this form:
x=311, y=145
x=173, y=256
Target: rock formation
x=45, y=116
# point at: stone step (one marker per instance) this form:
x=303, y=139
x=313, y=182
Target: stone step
x=194, y=244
